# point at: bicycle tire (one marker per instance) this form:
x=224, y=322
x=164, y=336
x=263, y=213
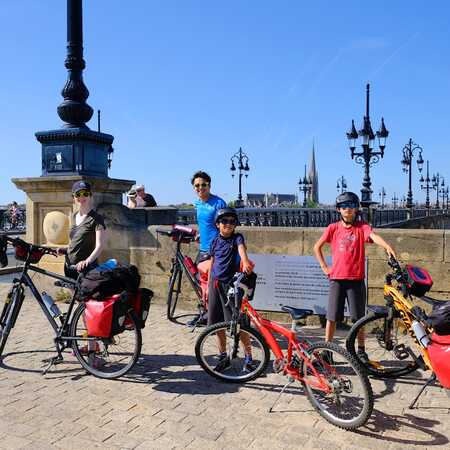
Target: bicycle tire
x=102, y=347
x=345, y=376
x=382, y=362
x=9, y=316
x=206, y=353
x=174, y=292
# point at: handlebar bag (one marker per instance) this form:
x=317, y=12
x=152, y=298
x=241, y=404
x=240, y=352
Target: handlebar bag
x=439, y=352
x=22, y=249
x=419, y=280
x=99, y=285
x=440, y=319
x=106, y=318
x=140, y=302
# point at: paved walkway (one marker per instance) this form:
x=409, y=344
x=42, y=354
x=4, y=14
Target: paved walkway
x=169, y=402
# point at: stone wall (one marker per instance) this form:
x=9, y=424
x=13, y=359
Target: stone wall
x=427, y=248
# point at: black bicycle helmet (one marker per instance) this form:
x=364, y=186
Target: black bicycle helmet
x=226, y=212
x=347, y=197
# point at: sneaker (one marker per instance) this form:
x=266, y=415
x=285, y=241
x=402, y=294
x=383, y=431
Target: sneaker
x=85, y=350
x=363, y=356
x=96, y=362
x=223, y=364
x=198, y=321
x=249, y=364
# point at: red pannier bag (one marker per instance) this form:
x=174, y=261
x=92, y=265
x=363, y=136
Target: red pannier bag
x=439, y=352
x=106, y=318
x=203, y=275
x=140, y=302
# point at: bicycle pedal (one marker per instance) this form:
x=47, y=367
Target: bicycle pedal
x=401, y=352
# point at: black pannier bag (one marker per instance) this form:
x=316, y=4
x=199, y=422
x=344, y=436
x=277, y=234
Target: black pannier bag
x=140, y=302
x=98, y=285
x=440, y=319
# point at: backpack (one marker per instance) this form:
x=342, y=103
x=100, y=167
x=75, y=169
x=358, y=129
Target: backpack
x=440, y=319
x=98, y=285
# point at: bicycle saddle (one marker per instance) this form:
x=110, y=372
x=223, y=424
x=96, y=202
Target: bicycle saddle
x=297, y=313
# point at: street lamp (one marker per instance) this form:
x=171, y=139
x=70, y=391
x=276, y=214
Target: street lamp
x=368, y=156
x=426, y=186
x=341, y=184
x=394, y=200
x=442, y=192
x=408, y=153
x=305, y=186
x=435, y=181
x=241, y=160
x=382, y=195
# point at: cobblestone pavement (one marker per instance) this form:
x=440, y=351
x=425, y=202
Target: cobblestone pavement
x=169, y=402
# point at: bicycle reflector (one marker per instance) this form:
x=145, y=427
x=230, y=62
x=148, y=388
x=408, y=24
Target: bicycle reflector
x=22, y=249
x=419, y=280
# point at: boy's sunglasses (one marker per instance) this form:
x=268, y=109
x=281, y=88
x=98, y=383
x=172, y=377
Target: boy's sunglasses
x=348, y=205
x=82, y=194
x=199, y=185
x=228, y=221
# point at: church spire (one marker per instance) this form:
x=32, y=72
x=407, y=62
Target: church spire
x=313, y=176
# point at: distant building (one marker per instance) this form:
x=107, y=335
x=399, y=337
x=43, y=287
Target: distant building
x=313, y=176
x=268, y=200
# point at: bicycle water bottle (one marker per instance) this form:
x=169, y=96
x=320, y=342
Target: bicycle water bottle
x=190, y=265
x=51, y=305
x=420, y=333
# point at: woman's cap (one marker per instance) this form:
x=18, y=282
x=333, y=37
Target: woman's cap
x=81, y=186
x=138, y=187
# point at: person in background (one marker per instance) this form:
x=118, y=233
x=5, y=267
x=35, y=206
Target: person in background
x=87, y=233
x=143, y=200
x=347, y=238
x=131, y=198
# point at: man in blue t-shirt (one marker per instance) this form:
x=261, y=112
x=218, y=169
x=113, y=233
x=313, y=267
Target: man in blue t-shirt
x=206, y=207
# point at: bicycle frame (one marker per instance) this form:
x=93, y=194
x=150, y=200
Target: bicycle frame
x=266, y=327
x=403, y=305
x=179, y=260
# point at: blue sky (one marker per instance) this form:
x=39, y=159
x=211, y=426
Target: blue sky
x=183, y=84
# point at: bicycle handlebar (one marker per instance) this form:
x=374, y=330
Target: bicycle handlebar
x=17, y=241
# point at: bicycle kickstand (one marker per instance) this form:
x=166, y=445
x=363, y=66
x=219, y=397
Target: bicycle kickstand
x=430, y=380
x=279, y=395
x=51, y=362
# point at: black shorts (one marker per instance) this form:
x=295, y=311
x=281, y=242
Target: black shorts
x=202, y=256
x=355, y=293
x=217, y=297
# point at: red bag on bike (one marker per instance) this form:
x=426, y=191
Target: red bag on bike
x=140, y=302
x=203, y=270
x=439, y=352
x=106, y=318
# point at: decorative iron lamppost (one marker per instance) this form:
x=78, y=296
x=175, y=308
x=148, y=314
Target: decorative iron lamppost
x=341, y=184
x=426, y=186
x=368, y=156
x=437, y=178
x=408, y=154
x=305, y=185
x=442, y=192
x=394, y=201
x=382, y=195
x=241, y=160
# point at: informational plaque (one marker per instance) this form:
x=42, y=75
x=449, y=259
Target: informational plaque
x=290, y=280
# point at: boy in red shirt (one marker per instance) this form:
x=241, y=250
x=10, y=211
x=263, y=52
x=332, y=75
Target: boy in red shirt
x=347, y=238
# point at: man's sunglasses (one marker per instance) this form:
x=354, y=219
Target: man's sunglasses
x=228, y=221
x=348, y=205
x=82, y=194
x=201, y=185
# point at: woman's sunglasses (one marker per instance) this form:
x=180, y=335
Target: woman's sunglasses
x=228, y=221
x=82, y=194
x=201, y=185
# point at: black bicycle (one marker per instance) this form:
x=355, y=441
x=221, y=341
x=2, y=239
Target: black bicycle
x=103, y=357
x=182, y=263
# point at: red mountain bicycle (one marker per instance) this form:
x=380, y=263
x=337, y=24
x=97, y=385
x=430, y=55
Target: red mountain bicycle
x=335, y=383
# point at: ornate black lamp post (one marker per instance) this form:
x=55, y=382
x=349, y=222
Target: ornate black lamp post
x=442, y=192
x=435, y=181
x=241, y=160
x=341, y=184
x=75, y=149
x=305, y=186
x=425, y=185
x=368, y=156
x=408, y=153
x=394, y=201
x=382, y=195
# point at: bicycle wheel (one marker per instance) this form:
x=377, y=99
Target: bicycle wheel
x=388, y=345
x=174, y=292
x=348, y=401
x=234, y=368
x=9, y=315
x=106, y=357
